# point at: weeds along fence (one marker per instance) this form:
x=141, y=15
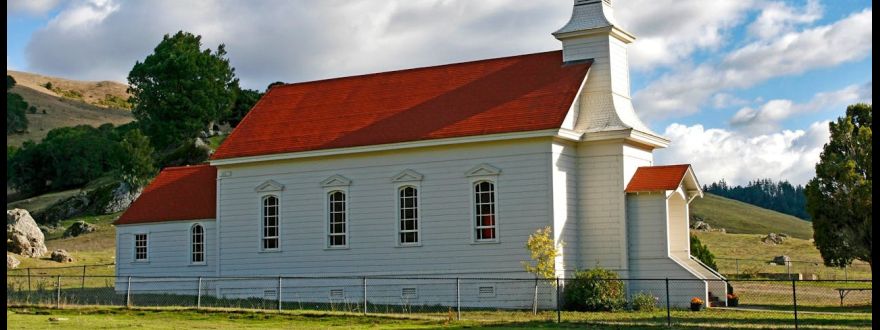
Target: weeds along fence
x=665, y=301
x=802, y=270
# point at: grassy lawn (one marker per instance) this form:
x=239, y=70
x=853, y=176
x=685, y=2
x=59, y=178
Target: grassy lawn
x=741, y=218
x=749, y=246
x=108, y=318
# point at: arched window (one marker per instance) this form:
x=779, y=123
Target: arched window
x=270, y=223
x=198, y=244
x=409, y=215
x=484, y=211
x=337, y=233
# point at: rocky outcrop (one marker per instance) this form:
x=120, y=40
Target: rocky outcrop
x=22, y=234
x=782, y=260
x=701, y=226
x=79, y=228
x=11, y=262
x=120, y=198
x=64, y=209
x=62, y=256
x=773, y=239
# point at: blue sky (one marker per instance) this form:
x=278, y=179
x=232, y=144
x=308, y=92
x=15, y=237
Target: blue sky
x=744, y=88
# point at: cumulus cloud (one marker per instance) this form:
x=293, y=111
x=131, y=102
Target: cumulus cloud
x=767, y=117
x=669, y=31
x=778, y=18
x=737, y=157
x=686, y=89
x=291, y=41
x=30, y=7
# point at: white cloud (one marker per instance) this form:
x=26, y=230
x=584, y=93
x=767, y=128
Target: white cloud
x=737, y=158
x=292, y=41
x=724, y=100
x=669, y=31
x=768, y=116
x=685, y=90
x=83, y=14
x=30, y=7
x=778, y=18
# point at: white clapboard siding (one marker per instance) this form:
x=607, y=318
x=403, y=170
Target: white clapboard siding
x=169, y=251
x=446, y=224
x=565, y=206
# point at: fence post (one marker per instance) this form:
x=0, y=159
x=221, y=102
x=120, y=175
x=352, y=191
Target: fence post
x=128, y=293
x=535, y=301
x=668, y=312
x=58, y=296
x=83, y=285
x=788, y=269
x=794, y=300
x=279, y=293
x=458, y=298
x=365, y=295
x=29, y=279
x=199, y=299
x=558, y=311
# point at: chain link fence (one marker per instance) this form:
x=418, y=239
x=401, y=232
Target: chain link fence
x=450, y=298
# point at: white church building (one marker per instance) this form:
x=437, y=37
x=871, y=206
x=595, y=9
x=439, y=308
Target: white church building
x=440, y=171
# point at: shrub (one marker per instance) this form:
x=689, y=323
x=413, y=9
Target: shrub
x=644, y=302
x=48, y=85
x=597, y=289
x=701, y=252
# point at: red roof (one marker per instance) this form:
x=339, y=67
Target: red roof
x=654, y=178
x=510, y=94
x=177, y=193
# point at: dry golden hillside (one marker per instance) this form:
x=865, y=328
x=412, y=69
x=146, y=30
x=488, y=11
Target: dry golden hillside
x=70, y=103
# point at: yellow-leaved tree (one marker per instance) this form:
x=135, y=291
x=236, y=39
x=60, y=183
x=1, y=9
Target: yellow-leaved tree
x=543, y=251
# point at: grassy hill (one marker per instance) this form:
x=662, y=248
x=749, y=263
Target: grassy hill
x=68, y=103
x=741, y=218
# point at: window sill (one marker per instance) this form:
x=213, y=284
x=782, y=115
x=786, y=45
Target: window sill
x=337, y=248
x=269, y=251
x=198, y=265
x=408, y=245
x=140, y=262
x=485, y=242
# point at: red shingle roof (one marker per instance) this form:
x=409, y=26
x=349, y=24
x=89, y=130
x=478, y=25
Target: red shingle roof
x=177, y=193
x=511, y=94
x=654, y=178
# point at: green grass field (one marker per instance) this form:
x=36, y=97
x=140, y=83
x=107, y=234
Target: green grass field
x=167, y=318
x=740, y=218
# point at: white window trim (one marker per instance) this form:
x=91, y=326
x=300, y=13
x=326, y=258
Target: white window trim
x=260, y=227
x=397, y=228
x=134, y=247
x=204, y=245
x=327, y=192
x=474, y=180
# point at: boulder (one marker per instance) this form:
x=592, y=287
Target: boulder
x=121, y=197
x=782, y=260
x=11, y=262
x=773, y=239
x=62, y=255
x=701, y=226
x=22, y=234
x=79, y=228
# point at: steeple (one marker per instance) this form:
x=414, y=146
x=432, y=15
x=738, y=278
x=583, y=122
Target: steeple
x=604, y=105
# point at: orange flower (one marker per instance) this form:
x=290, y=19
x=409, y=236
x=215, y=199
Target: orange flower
x=696, y=301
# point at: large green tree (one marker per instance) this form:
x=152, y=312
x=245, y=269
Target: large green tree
x=179, y=89
x=839, y=197
x=16, y=121
x=245, y=100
